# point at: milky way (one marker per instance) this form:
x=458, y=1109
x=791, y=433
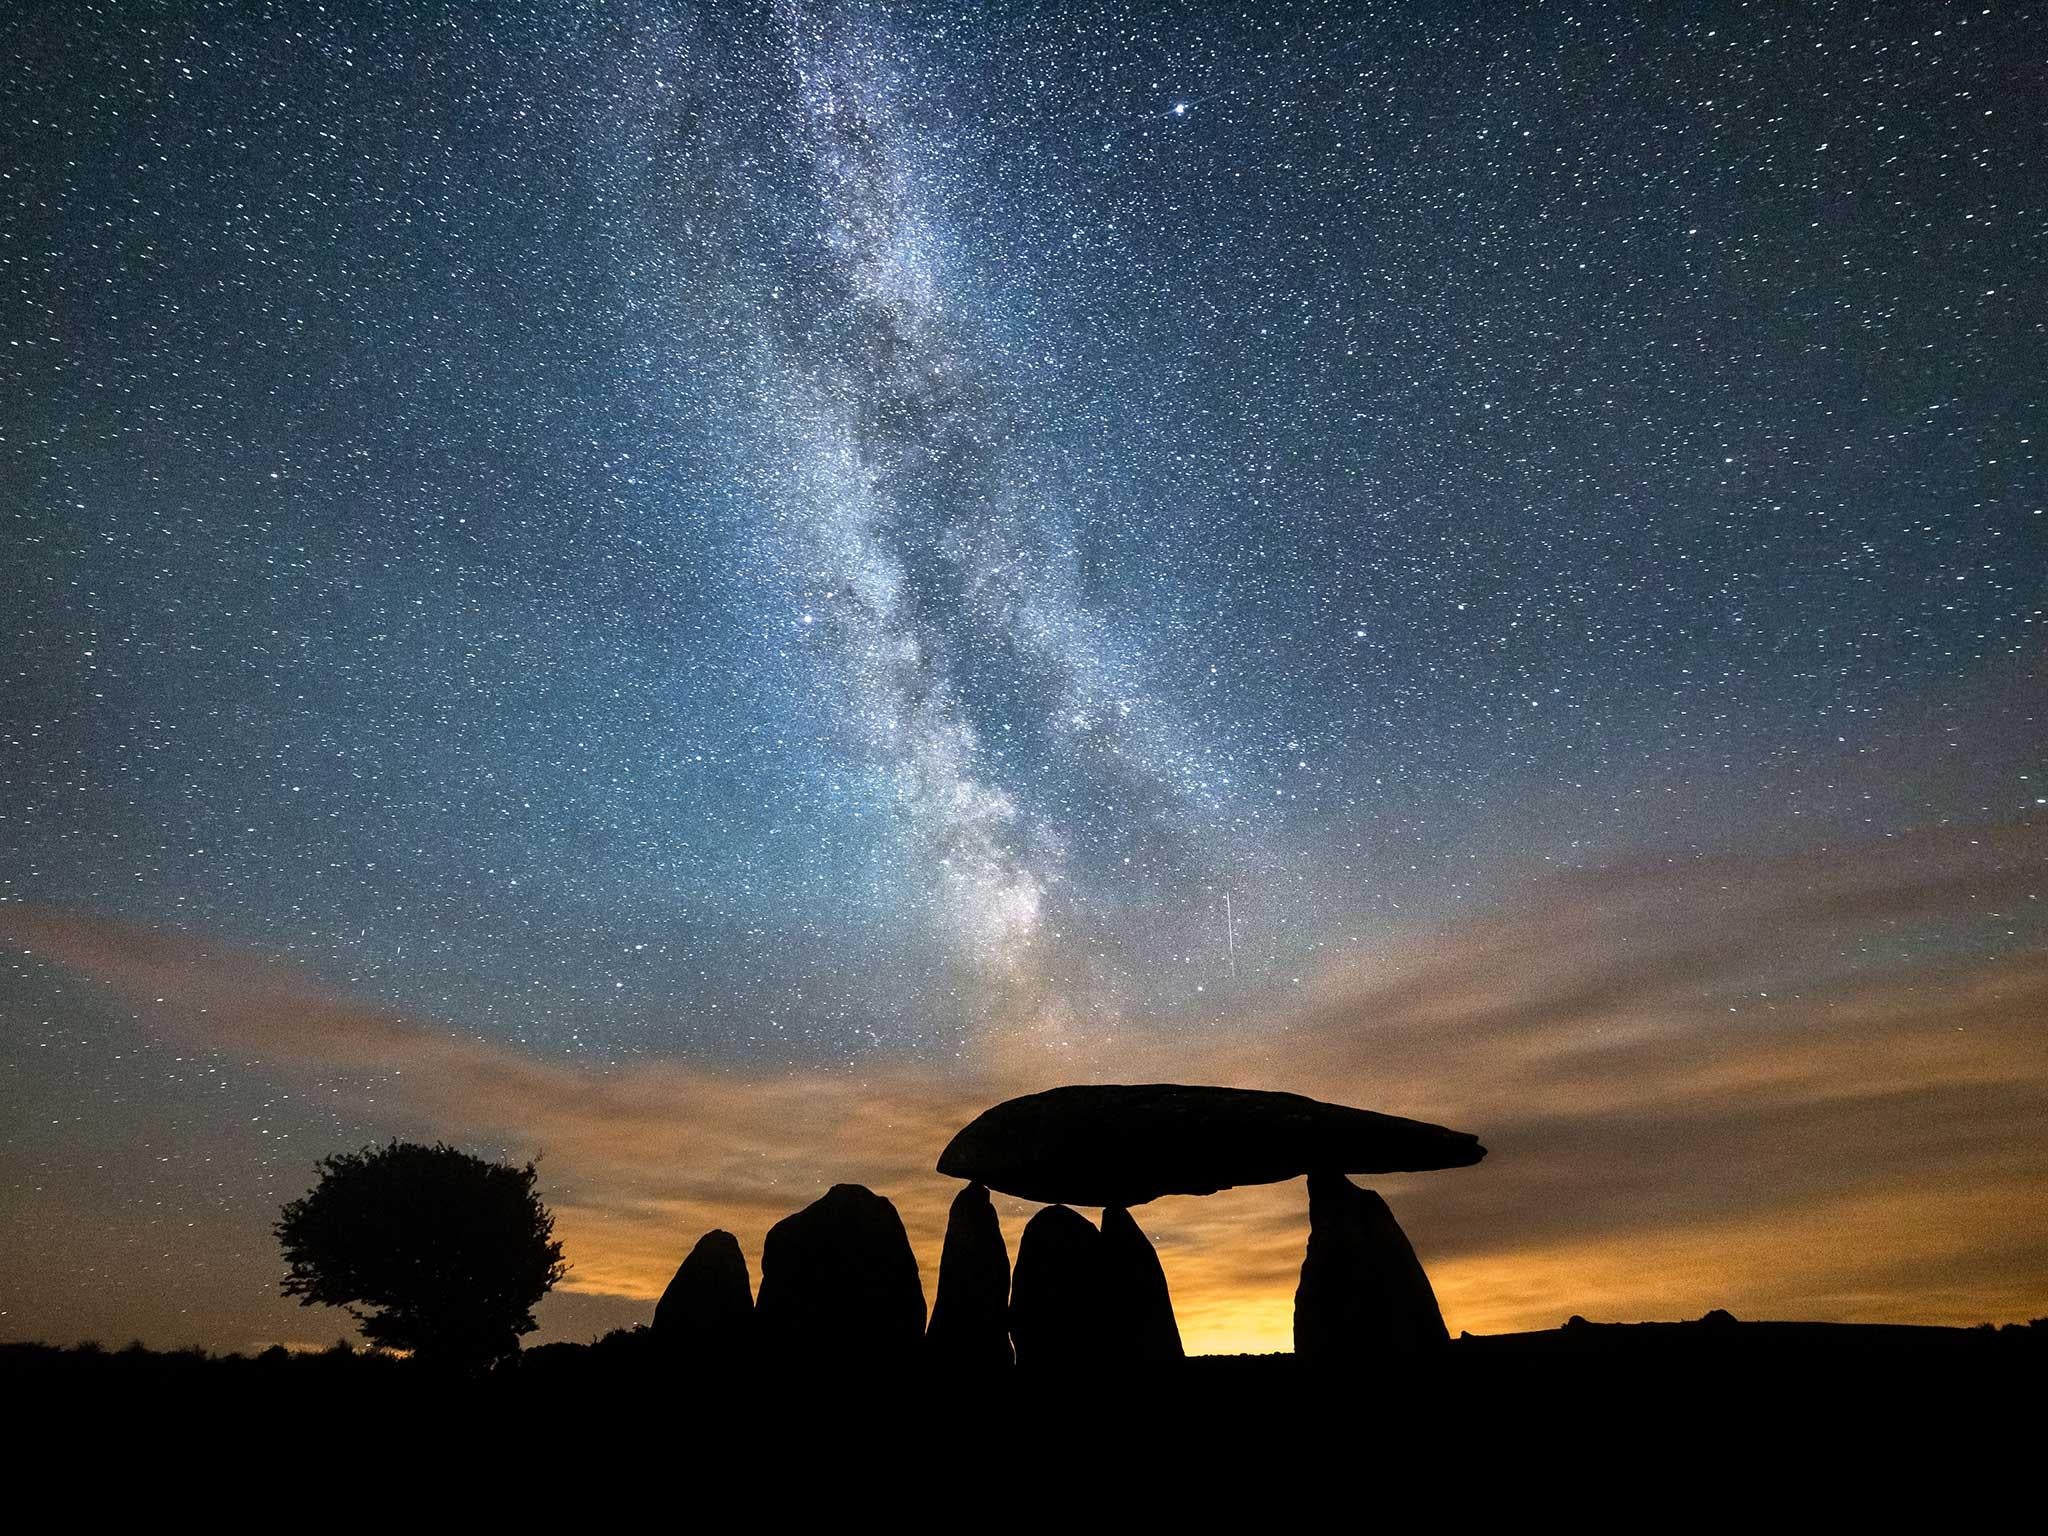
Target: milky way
x=923, y=532
x=781, y=532
x=909, y=522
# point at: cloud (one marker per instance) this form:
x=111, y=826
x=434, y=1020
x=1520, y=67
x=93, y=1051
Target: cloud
x=1811, y=1086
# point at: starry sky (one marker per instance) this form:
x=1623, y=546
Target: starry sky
x=703, y=589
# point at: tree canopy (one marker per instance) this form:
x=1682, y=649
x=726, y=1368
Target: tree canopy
x=429, y=1248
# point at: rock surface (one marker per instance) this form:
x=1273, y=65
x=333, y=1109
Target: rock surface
x=707, y=1312
x=1057, y=1318
x=839, y=1284
x=1139, y=1309
x=1124, y=1144
x=970, y=1315
x=1363, y=1295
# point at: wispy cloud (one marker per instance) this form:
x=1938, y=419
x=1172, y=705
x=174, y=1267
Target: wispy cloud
x=1810, y=1086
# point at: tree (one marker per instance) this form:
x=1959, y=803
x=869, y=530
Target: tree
x=430, y=1249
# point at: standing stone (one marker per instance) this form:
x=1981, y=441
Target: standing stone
x=707, y=1312
x=1363, y=1295
x=1139, y=1308
x=839, y=1285
x=1056, y=1301
x=970, y=1328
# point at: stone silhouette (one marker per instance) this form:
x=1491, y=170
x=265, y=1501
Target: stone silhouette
x=970, y=1323
x=1082, y=1296
x=1139, y=1309
x=707, y=1312
x=839, y=1285
x=1125, y=1144
x=1057, y=1314
x=1363, y=1295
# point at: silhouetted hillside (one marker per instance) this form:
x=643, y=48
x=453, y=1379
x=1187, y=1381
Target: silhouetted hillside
x=1621, y=1417
x=631, y=1361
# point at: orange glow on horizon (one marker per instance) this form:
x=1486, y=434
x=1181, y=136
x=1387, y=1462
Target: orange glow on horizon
x=1859, y=1144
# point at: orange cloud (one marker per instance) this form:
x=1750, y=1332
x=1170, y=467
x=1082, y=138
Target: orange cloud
x=1814, y=1086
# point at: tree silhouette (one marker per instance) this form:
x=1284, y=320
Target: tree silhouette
x=430, y=1249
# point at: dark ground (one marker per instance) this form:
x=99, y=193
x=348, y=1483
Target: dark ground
x=1710, y=1346
x=1718, y=1375
x=1644, y=1426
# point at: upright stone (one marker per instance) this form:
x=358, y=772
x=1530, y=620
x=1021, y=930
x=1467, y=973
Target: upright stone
x=970, y=1327
x=839, y=1285
x=707, y=1312
x=1138, y=1307
x=1363, y=1295
x=1057, y=1317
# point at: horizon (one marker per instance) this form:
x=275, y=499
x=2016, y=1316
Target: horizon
x=703, y=593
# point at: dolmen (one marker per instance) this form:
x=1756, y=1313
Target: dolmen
x=1085, y=1295
x=840, y=1289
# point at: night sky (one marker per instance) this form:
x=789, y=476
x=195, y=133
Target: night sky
x=702, y=590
